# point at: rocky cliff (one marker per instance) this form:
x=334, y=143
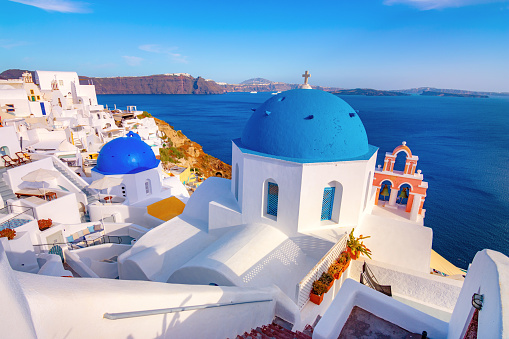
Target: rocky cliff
x=179, y=150
x=153, y=84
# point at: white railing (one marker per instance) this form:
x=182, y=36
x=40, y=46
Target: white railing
x=124, y=315
x=305, y=285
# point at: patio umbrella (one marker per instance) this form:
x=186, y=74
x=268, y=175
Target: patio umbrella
x=41, y=175
x=105, y=183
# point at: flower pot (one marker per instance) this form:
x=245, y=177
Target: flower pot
x=337, y=275
x=354, y=257
x=317, y=299
x=330, y=285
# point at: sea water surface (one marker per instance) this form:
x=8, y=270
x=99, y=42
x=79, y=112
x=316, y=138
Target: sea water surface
x=462, y=145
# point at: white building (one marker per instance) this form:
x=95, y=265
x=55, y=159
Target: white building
x=245, y=251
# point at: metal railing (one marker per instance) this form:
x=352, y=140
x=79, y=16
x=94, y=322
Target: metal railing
x=105, y=239
x=134, y=314
x=306, y=284
x=10, y=209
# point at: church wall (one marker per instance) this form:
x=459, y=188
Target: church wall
x=135, y=185
x=237, y=160
x=352, y=175
x=256, y=171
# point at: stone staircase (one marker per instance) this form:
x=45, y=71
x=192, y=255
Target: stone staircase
x=5, y=190
x=65, y=172
x=274, y=331
x=77, y=142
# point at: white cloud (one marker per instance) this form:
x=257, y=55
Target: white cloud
x=132, y=60
x=63, y=6
x=8, y=44
x=439, y=4
x=175, y=57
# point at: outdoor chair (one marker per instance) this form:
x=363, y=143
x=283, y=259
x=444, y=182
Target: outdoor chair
x=20, y=159
x=25, y=156
x=9, y=162
x=368, y=279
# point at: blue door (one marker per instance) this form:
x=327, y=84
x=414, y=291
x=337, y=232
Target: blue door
x=43, y=109
x=328, y=202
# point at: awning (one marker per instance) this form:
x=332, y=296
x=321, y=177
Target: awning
x=440, y=264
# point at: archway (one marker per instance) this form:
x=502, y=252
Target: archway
x=4, y=150
x=385, y=190
x=403, y=194
x=400, y=162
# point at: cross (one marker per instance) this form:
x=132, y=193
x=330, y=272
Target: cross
x=306, y=75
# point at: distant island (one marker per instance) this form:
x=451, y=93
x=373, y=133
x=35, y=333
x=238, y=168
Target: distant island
x=461, y=95
x=184, y=83
x=369, y=92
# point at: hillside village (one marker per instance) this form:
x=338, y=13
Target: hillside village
x=116, y=225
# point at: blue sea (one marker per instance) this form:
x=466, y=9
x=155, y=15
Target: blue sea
x=462, y=144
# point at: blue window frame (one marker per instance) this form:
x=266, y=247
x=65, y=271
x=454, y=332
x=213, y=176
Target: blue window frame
x=328, y=202
x=272, y=198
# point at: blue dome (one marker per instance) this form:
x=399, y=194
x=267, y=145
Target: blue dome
x=306, y=124
x=126, y=155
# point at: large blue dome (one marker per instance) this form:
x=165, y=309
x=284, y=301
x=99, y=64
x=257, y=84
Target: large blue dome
x=306, y=125
x=126, y=155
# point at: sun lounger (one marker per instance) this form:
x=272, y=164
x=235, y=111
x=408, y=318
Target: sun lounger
x=25, y=156
x=9, y=162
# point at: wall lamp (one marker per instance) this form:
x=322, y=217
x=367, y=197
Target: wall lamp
x=477, y=301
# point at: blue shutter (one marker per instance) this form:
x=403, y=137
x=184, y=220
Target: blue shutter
x=272, y=198
x=328, y=202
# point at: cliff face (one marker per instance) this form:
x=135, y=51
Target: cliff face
x=153, y=84
x=179, y=150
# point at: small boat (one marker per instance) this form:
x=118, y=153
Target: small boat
x=253, y=92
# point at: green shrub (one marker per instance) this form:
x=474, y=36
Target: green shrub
x=319, y=288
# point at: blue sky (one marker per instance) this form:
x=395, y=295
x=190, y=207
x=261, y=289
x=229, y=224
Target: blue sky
x=383, y=44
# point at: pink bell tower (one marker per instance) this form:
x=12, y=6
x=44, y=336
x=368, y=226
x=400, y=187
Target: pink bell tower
x=415, y=190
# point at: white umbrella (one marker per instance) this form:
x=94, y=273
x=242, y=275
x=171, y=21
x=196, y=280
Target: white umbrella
x=41, y=175
x=66, y=146
x=105, y=183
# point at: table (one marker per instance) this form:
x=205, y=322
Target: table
x=36, y=193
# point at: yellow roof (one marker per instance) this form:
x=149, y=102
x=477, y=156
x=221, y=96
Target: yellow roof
x=439, y=263
x=166, y=209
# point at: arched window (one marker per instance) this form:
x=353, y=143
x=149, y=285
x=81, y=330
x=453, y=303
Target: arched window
x=272, y=198
x=148, y=187
x=331, y=203
x=328, y=202
x=237, y=182
x=4, y=150
x=369, y=183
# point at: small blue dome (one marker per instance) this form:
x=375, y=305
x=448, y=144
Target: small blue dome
x=306, y=124
x=126, y=155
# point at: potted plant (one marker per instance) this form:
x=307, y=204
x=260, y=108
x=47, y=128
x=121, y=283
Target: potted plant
x=44, y=224
x=335, y=270
x=8, y=233
x=327, y=279
x=346, y=259
x=356, y=247
x=317, y=292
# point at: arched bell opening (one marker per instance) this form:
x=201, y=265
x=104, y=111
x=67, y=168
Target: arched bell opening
x=385, y=190
x=403, y=194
